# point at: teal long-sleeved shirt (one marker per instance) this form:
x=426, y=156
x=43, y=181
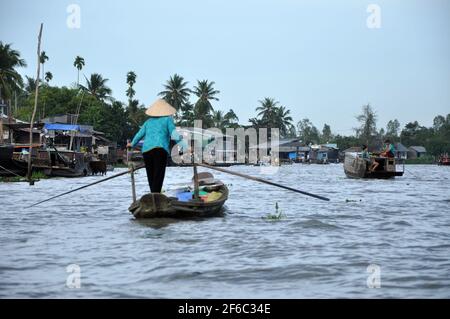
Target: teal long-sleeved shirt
x=157, y=132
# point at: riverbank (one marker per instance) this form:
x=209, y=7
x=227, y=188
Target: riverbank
x=36, y=176
x=426, y=160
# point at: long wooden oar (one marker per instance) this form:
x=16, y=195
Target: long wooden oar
x=88, y=185
x=257, y=179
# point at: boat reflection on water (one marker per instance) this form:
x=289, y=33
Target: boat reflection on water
x=162, y=222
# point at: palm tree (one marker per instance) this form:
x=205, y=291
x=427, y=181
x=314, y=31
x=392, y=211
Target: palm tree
x=175, y=92
x=48, y=76
x=131, y=80
x=283, y=120
x=96, y=86
x=256, y=123
x=30, y=85
x=219, y=119
x=232, y=118
x=136, y=115
x=187, y=115
x=79, y=63
x=206, y=93
x=268, y=110
x=42, y=59
x=10, y=79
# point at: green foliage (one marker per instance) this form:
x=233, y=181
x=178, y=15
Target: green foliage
x=96, y=107
x=10, y=79
x=131, y=80
x=345, y=142
x=308, y=133
x=326, y=134
x=78, y=63
x=37, y=175
x=436, y=139
x=392, y=129
x=11, y=179
x=278, y=215
x=110, y=118
x=427, y=159
x=176, y=92
x=203, y=108
x=48, y=76
x=367, y=130
x=96, y=86
x=273, y=116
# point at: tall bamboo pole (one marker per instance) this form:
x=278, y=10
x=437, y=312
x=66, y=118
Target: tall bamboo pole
x=131, y=168
x=196, y=186
x=35, y=104
x=1, y=118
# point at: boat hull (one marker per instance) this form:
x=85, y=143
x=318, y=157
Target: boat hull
x=65, y=172
x=156, y=205
x=8, y=166
x=62, y=163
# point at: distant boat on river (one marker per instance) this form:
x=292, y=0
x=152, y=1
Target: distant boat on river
x=444, y=160
x=357, y=167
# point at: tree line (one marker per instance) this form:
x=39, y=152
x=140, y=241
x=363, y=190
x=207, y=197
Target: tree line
x=92, y=102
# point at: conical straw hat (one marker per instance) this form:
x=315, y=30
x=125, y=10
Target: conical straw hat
x=160, y=108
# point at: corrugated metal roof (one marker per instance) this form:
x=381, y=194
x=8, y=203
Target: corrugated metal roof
x=418, y=149
x=353, y=149
x=279, y=143
x=285, y=149
x=399, y=147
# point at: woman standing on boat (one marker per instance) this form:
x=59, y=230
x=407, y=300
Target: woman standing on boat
x=157, y=132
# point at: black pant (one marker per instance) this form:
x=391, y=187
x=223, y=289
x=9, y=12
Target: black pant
x=155, y=165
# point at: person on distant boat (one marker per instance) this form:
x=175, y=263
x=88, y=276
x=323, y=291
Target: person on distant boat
x=371, y=164
x=157, y=131
x=365, y=152
x=389, y=150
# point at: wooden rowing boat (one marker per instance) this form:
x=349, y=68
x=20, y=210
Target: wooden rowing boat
x=156, y=205
x=357, y=167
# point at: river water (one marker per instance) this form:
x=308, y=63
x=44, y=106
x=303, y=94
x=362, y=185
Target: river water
x=392, y=234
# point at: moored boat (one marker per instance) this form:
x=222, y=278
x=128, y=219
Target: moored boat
x=8, y=167
x=444, y=160
x=56, y=163
x=357, y=167
x=213, y=195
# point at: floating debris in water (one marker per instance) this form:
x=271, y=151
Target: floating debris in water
x=277, y=216
x=352, y=200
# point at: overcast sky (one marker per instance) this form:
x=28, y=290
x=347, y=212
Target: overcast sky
x=321, y=59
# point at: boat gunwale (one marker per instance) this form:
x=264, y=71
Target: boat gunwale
x=199, y=203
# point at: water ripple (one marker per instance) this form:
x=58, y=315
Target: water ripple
x=317, y=250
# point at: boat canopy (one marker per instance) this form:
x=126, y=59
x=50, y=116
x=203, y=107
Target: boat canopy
x=61, y=127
